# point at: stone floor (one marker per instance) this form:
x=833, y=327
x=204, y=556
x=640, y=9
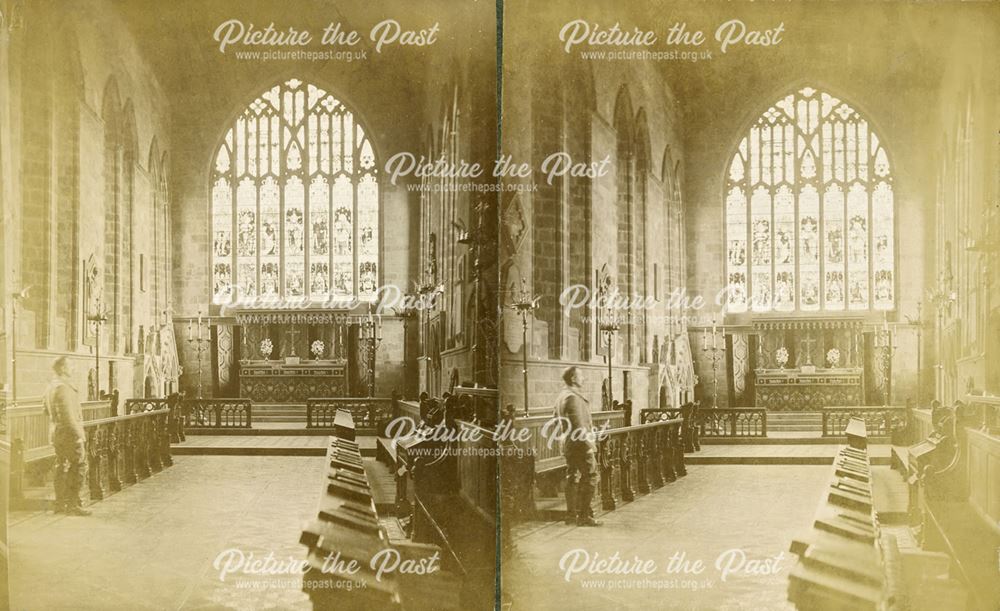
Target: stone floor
x=756, y=509
x=152, y=545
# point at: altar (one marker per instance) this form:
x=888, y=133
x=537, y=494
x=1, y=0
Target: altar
x=291, y=356
x=797, y=390
x=808, y=364
x=266, y=382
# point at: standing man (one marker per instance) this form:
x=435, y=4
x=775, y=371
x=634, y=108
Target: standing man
x=580, y=450
x=63, y=408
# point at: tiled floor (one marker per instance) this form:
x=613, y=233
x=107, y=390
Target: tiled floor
x=152, y=545
x=756, y=509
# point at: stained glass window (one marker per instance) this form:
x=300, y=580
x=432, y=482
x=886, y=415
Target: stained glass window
x=296, y=182
x=809, y=211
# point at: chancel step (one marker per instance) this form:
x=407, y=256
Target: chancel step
x=778, y=421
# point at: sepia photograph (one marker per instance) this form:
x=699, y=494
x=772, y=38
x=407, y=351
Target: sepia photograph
x=500, y=305
x=754, y=270
x=228, y=269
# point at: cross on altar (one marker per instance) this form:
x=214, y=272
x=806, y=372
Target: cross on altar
x=809, y=341
x=293, y=331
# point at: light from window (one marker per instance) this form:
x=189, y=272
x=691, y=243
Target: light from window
x=809, y=190
x=296, y=182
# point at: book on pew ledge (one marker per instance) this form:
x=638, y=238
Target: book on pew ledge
x=357, y=520
x=819, y=589
x=843, y=560
x=338, y=462
x=349, y=490
x=849, y=499
x=374, y=595
x=846, y=528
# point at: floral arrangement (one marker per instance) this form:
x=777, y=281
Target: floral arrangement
x=781, y=355
x=317, y=348
x=833, y=357
x=266, y=347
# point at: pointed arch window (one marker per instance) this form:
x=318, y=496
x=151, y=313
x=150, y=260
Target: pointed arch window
x=809, y=211
x=295, y=201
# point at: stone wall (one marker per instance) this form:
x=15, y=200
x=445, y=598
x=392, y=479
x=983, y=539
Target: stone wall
x=60, y=67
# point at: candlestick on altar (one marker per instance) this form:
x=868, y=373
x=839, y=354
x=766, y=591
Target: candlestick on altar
x=714, y=355
x=199, y=347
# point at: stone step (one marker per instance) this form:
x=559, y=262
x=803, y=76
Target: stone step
x=784, y=454
x=263, y=445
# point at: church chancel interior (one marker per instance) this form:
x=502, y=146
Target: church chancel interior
x=205, y=231
x=354, y=305
x=801, y=233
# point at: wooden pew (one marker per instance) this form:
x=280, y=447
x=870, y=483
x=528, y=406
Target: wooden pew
x=347, y=535
x=846, y=561
x=952, y=492
x=343, y=426
x=549, y=465
x=121, y=451
x=446, y=486
x=636, y=460
x=622, y=477
x=173, y=403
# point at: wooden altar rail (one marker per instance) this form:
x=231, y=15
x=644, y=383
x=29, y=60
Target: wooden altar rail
x=548, y=456
x=879, y=421
x=732, y=422
x=121, y=450
x=217, y=413
x=368, y=412
x=639, y=459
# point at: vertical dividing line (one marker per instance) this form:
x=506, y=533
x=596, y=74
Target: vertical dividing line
x=498, y=494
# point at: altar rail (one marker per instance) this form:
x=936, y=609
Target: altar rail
x=368, y=412
x=638, y=459
x=879, y=421
x=732, y=422
x=217, y=413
